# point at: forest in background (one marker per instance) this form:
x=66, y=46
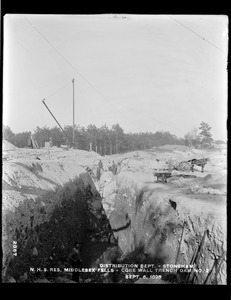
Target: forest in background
x=108, y=141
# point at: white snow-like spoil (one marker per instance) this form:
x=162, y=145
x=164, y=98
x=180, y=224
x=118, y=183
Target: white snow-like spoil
x=147, y=216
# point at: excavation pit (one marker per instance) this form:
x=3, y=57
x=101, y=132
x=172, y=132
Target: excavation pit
x=41, y=225
x=48, y=205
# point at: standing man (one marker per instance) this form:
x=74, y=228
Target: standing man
x=100, y=165
x=114, y=168
x=99, y=170
x=75, y=261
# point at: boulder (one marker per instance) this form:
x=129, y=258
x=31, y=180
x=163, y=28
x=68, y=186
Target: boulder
x=119, y=220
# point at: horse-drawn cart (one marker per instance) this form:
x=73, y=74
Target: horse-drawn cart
x=188, y=165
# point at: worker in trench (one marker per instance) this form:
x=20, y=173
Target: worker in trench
x=112, y=256
x=100, y=165
x=99, y=170
x=76, y=261
x=114, y=168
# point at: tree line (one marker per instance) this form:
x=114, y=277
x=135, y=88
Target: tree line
x=108, y=141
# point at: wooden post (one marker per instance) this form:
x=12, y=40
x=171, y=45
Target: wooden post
x=73, y=81
x=181, y=239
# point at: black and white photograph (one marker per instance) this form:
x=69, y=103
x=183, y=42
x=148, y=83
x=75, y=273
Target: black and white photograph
x=114, y=149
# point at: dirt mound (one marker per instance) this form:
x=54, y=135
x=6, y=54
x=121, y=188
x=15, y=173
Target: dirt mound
x=210, y=184
x=215, y=178
x=7, y=146
x=173, y=148
x=215, y=181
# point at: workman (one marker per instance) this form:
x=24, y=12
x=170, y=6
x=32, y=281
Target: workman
x=76, y=261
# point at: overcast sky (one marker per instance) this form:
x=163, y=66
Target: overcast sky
x=145, y=72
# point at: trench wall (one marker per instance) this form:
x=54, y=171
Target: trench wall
x=47, y=207
x=157, y=221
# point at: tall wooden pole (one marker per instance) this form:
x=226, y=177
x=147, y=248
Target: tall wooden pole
x=73, y=81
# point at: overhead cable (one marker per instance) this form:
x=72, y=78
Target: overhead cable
x=57, y=91
x=186, y=27
x=64, y=58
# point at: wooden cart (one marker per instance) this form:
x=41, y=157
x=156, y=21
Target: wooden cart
x=162, y=176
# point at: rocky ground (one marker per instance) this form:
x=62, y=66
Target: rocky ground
x=51, y=199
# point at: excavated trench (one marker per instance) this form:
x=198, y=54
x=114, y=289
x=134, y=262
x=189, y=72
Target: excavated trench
x=183, y=241
x=39, y=234
x=141, y=227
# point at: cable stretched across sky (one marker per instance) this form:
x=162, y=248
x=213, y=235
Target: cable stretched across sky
x=154, y=75
x=67, y=61
x=186, y=27
x=58, y=90
x=74, y=68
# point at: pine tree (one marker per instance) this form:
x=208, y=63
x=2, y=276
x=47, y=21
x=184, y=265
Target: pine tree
x=205, y=135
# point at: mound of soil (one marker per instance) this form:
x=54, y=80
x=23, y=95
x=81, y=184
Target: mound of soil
x=7, y=146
